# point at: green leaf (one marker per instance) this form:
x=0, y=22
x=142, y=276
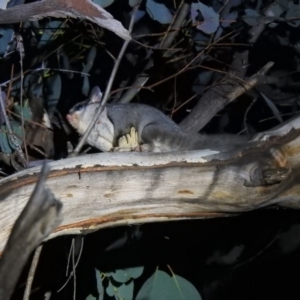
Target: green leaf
x=111, y=289
x=159, y=12
x=48, y=32
x=133, y=3
x=4, y=143
x=120, y=275
x=124, y=275
x=100, y=288
x=5, y=38
x=161, y=286
x=25, y=109
x=211, y=18
x=135, y=272
x=104, y=3
x=124, y=291
x=17, y=130
x=90, y=297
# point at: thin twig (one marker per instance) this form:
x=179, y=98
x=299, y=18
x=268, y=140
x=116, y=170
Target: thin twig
x=20, y=49
x=74, y=272
x=246, y=114
x=108, y=89
x=76, y=264
x=31, y=273
x=174, y=28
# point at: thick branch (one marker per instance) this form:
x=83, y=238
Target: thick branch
x=38, y=219
x=110, y=189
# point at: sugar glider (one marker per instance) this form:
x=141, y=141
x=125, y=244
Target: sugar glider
x=155, y=132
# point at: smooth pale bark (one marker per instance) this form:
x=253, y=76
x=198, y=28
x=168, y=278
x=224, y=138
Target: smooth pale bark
x=109, y=189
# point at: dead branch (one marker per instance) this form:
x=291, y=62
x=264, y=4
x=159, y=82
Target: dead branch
x=83, y=9
x=31, y=273
x=216, y=98
x=141, y=79
x=37, y=220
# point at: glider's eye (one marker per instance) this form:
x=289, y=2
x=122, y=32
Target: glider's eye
x=79, y=107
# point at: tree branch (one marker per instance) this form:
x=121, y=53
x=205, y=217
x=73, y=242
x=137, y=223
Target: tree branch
x=216, y=98
x=84, y=9
x=38, y=219
x=130, y=188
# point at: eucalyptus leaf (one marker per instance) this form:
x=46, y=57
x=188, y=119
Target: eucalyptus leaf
x=251, y=17
x=275, y=10
x=4, y=143
x=133, y=3
x=293, y=15
x=159, y=12
x=90, y=297
x=211, y=18
x=48, y=33
x=161, y=286
x=100, y=287
x=90, y=60
x=135, y=272
x=24, y=110
x=104, y=3
x=5, y=38
x=120, y=275
x=229, y=18
x=85, y=86
x=138, y=15
x=111, y=289
x=124, y=291
x=273, y=108
x=124, y=275
x=3, y=104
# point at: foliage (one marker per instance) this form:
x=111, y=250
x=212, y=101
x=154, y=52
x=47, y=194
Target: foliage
x=63, y=58
x=6, y=144
x=159, y=286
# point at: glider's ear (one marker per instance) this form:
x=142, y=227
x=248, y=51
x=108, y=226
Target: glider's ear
x=95, y=95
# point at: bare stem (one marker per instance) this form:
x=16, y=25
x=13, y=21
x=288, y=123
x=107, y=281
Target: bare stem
x=108, y=89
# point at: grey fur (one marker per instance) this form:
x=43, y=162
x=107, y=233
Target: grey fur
x=156, y=132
